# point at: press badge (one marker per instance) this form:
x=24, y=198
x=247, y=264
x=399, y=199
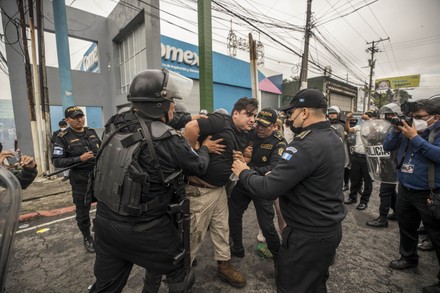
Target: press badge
x=407, y=168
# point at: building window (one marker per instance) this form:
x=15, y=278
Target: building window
x=132, y=56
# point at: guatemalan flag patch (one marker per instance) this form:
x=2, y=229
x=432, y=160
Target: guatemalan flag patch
x=287, y=155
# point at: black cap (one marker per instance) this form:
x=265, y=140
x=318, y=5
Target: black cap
x=72, y=112
x=267, y=116
x=307, y=98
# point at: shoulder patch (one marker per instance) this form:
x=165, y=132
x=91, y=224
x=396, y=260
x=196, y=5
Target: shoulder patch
x=58, y=151
x=288, y=153
x=280, y=151
x=302, y=135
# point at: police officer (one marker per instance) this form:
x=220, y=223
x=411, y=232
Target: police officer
x=387, y=191
x=133, y=224
x=414, y=154
x=267, y=148
x=334, y=116
x=76, y=147
x=311, y=201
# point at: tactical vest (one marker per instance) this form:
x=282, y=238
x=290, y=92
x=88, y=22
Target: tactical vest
x=118, y=179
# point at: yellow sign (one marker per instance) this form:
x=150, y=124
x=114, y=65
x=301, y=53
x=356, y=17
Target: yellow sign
x=398, y=82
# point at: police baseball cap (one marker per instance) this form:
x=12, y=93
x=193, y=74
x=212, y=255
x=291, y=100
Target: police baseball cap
x=307, y=98
x=72, y=112
x=266, y=117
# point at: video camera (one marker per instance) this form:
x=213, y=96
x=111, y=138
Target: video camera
x=409, y=107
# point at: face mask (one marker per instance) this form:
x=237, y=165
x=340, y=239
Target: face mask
x=63, y=128
x=294, y=129
x=420, y=124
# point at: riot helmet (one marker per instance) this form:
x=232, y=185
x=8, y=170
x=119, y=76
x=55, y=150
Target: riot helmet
x=203, y=112
x=152, y=91
x=334, y=110
x=389, y=111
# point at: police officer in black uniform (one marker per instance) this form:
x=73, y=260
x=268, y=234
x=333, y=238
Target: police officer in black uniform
x=307, y=180
x=133, y=222
x=76, y=147
x=267, y=148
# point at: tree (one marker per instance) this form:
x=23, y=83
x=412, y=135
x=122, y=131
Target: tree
x=380, y=99
x=402, y=95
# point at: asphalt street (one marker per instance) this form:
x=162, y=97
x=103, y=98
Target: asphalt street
x=49, y=256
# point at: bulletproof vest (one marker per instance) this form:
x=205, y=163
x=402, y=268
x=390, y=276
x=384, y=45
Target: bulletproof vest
x=119, y=180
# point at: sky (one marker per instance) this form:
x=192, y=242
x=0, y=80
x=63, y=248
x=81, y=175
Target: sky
x=342, y=27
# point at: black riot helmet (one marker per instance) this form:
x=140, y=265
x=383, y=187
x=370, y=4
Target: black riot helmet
x=152, y=91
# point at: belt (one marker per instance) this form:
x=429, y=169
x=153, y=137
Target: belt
x=424, y=191
x=359, y=155
x=199, y=185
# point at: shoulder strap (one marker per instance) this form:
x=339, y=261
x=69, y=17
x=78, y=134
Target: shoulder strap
x=150, y=145
x=431, y=166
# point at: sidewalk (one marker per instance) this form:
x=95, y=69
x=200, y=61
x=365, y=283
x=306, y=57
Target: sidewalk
x=45, y=198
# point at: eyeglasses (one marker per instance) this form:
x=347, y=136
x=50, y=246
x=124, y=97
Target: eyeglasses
x=421, y=116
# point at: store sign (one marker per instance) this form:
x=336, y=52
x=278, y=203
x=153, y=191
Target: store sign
x=179, y=55
x=90, y=60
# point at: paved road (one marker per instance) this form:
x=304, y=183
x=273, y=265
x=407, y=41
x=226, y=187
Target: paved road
x=54, y=260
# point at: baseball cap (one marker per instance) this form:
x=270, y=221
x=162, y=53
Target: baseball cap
x=267, y=116
x=72, y=112
x=307, y=98
x=370, y=113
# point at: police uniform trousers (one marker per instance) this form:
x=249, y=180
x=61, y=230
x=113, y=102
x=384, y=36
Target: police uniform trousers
x=359, y=171
x=305, y=257
x=411, y=208
x=209, y=208
x=238, y=203
x=79, y=180
x=387, y=195
x=119, y=245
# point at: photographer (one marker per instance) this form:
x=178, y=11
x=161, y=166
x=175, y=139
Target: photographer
x=23, y=167
x=414, y=153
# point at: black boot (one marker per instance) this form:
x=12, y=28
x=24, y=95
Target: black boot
x=378, y=223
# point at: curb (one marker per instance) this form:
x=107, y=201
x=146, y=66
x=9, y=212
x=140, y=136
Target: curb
x=49, y=213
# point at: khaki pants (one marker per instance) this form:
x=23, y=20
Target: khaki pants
x=209, y=208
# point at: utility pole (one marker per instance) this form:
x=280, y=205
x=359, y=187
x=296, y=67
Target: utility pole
x=40, y=128
x=305, y=56
x=205, y=53
x=29, y=87
x=254, y=70
x=373, y=49
x=43, y=78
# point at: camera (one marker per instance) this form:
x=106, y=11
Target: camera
x=409, y=107
x=15, y=159
x=397, y=121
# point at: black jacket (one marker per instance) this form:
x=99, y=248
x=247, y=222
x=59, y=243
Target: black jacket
x=69, y=145
x=308, y=179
